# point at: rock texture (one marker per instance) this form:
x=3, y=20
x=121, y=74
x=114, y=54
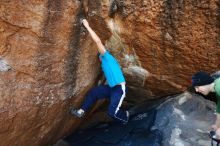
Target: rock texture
x=185, y=120
x=48, y=61
x=45, y=67
x=171, y=39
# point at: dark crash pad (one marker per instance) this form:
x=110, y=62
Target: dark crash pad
x=136, y=131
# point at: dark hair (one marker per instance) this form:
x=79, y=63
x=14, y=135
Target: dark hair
x=201, y=78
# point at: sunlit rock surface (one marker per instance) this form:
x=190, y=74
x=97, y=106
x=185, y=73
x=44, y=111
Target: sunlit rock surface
x=48, y=61
x=169, y=39
x=47, y=64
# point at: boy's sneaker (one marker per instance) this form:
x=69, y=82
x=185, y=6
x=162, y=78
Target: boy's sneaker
x=77, y=112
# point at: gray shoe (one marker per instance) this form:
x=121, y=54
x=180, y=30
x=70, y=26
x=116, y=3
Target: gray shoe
x=75, y=112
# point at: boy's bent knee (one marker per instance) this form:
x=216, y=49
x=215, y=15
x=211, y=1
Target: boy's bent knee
x=111, y=113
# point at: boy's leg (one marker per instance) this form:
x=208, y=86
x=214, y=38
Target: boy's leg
x=95, y=94
x=99, y=92
x=117, y=96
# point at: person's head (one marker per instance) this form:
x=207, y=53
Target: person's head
x=201, y=81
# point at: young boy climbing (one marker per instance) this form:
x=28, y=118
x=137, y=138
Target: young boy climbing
x=116, y=88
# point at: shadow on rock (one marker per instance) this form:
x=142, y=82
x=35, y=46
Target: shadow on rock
x=136, y=133
x=182, y=120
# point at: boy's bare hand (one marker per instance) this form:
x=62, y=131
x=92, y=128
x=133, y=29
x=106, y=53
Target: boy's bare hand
x=214, y=127
x=85, y=23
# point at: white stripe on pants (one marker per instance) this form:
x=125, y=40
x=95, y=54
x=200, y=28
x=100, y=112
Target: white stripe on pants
x=120, y=102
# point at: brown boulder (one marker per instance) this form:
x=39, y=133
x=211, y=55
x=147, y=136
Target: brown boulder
x=48, y=61
x=47, y=64
x=171, y=40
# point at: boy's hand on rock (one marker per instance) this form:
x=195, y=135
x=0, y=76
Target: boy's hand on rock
x=85, y=23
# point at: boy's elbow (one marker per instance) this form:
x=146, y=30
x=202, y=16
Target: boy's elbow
x=102, y=52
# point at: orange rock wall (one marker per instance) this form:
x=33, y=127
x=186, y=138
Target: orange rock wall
x=48, y=61
x=171, y=39
x=51, y=65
